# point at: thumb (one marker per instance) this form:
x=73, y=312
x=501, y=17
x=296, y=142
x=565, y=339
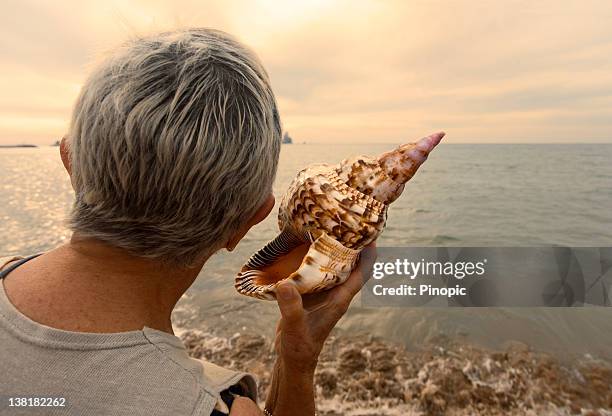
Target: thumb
x=290, y=304
x=367, y=259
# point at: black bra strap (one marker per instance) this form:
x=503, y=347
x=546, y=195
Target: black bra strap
x=16, y=264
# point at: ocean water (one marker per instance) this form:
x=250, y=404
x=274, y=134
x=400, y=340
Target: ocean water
x=465, y=195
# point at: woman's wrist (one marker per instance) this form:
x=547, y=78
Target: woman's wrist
x=298, y=367
x=292, y=389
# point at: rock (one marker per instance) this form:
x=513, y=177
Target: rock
x=248, y=347
x=328, y=382
x=352, y=361
x=382, y=359
x=431, y=400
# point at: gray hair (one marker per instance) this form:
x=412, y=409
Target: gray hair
x=174, y=143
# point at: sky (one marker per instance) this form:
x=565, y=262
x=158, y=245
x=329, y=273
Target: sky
x=345, y=71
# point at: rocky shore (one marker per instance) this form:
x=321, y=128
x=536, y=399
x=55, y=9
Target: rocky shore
x=360, y=375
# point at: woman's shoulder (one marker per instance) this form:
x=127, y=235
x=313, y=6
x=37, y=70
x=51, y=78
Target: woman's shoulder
x=217, y=382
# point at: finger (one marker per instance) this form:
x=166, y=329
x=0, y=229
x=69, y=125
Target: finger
x=290, y=304
x=361, y=274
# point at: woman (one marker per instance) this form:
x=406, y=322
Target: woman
x=172, y=150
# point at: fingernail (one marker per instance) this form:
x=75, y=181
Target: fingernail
x=285, y=291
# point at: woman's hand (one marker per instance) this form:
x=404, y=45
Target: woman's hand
x=307, y=321
x=300, y=334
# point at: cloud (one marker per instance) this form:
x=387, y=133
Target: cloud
x=347, y=70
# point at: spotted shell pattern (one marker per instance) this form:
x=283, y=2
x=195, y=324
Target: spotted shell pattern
x=337, y=210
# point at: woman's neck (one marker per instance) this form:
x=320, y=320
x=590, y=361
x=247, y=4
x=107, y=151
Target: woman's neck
x=89, y=286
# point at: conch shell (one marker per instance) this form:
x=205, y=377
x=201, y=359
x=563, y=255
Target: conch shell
x=327, y=216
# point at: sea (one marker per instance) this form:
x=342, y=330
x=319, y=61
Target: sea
x=476, y=195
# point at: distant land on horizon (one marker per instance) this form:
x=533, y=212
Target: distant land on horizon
x=5, y=146
x=8, y=146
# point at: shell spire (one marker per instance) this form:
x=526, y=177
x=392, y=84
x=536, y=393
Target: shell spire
x=402, y=163
x=383, y=178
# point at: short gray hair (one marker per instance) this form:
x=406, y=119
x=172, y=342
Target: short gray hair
x=174, y=143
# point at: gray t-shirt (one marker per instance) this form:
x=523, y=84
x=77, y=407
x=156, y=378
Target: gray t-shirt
x=145, y=372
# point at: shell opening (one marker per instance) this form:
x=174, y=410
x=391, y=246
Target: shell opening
x=282, y=267
x=314, y=267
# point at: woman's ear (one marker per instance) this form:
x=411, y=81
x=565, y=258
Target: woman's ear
x=259, y=215
x=65, y=154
